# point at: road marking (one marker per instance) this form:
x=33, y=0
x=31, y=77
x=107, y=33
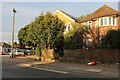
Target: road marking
x=57, y=71
x=94, y=70
x=23, y=65
x=84, y=69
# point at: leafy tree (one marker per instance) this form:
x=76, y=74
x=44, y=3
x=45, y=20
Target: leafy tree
x=15, y=43
x=111, y=39
x=45, y=31
x=21, y=35
x=74, y=37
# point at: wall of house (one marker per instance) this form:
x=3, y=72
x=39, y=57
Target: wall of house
x=64, y=19
x=118, y=22
x=67, y=20
x=105, y=29
x=6, y=50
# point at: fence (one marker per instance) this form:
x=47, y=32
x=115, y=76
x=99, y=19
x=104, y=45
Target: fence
x=99, y=55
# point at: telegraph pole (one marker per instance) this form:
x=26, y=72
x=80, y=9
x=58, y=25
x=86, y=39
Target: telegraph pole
x=13, y=20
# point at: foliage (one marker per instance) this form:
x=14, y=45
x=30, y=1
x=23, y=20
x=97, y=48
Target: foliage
x=15, y=43
x=111, y=39
x=74, y=37
x=58, y=47
x=45, y=31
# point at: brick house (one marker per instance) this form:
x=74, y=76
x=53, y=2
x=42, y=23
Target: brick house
x=101, y=21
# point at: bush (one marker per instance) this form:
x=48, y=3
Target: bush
x=111, y=39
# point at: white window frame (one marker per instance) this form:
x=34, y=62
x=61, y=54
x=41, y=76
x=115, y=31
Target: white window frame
x=107, y=23
x=114, y=21
x=68, y=26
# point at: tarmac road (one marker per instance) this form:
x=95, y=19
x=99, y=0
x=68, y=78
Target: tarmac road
x=10, y=69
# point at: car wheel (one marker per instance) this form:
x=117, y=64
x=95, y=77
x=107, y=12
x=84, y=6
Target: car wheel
x=28, y=53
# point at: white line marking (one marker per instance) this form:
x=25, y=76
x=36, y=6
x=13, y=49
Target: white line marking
x=51, y=70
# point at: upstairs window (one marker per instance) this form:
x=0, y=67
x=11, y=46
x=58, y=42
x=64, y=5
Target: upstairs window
x=67, y=27
x=88, y=23
x=101, y=21
x=113, y=20
x=105, y=21
x=109, y=20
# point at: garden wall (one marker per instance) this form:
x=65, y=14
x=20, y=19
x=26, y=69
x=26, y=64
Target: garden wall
x=99, y=55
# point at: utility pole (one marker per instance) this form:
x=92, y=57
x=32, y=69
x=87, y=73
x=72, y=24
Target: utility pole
x=13, y=20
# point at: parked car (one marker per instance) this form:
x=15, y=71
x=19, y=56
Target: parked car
x=27, y=51
x=16, y=52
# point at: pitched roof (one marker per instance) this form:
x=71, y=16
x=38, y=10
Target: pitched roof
x=3, y=44
x=101, y=12
x=68, y=15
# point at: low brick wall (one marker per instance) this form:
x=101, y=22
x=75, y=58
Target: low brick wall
x=48, y=55
x=99, y=55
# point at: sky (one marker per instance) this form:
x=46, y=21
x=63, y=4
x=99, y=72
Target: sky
x=28, y=11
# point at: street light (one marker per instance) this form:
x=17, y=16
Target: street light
x=13, y=20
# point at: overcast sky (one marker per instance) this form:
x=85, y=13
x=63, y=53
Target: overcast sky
x=27, y=11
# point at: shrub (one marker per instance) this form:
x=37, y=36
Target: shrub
x=111, y=39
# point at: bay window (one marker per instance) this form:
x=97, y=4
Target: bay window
x=106, y=21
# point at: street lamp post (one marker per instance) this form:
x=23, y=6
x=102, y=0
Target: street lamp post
x=13, y=20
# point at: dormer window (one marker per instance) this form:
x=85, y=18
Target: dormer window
x=67, y=27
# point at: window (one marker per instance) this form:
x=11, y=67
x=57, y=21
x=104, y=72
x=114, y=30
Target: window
x=67, y=27
x=113, y=20
x=105, y=21
x=89, y=24
x=101, y=21
x=97, y=22
x=109, y=20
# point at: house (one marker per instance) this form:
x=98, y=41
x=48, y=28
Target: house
x=4, y=48
x=101, y=21
x=67, y=19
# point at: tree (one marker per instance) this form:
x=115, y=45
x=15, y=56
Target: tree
x=21, y=35
x=44, y=31
x=111, y=39
x=15, y=43
x=74, y=37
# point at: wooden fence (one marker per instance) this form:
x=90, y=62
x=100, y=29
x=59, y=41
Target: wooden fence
x=99, y=55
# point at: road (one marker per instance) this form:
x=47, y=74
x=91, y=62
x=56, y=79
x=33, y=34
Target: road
x=11, y=70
